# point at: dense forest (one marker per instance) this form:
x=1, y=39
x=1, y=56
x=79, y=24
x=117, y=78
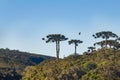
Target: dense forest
x=13, y=63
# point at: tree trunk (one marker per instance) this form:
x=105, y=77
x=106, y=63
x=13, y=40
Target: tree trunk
x=57, y=49
x=110, y=46
x=106, y=43
x=75, y=49
x=92, y=50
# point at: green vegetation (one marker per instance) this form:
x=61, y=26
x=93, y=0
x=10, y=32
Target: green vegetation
x=95, y=66
x=13, y=63
x=100, y=64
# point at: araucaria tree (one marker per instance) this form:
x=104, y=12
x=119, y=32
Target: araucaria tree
x=101, y=43
x=57, y=38
x=91, y=49
x=75, y=42
x=116, y=44
x=105, y=35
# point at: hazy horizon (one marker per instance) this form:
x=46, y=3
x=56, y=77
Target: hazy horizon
x=24, y=23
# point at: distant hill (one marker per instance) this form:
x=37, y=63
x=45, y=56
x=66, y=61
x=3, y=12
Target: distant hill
x=103, y=64
x=13, y=63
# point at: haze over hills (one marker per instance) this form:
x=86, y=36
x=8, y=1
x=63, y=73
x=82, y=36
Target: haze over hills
x=13, y=62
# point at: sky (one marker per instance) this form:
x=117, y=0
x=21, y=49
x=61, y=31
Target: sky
x=24, y=22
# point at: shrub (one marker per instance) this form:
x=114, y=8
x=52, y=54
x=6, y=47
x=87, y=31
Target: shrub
x=90, y=66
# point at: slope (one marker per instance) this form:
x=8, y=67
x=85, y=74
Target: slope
x=103, y=64
x=13, y=62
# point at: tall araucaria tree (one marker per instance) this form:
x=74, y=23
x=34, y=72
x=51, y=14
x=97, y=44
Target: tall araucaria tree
x=75, y=42
x=57, y=38
x=105, y=35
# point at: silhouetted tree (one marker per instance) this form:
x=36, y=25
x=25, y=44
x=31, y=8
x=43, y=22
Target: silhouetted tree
x=111, y=43
x=75, y=42
x=105, y=35
x=101, y=43
x=55, y=38
x=116, y=44
x=91, y=49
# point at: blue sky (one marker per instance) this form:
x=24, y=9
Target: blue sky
x=24, y=22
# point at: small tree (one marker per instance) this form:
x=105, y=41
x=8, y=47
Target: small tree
x=101, y=43
x=55, y=38
x=75, y=42
x=91, y=49
x=111, y=43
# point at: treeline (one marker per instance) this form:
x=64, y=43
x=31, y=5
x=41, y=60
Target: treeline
x=109, y=39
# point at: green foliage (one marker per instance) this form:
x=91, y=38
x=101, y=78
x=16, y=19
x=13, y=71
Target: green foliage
x=90, y=66
x=95, y=66
x=103, y=64
x=92, y=76
x=13, y=63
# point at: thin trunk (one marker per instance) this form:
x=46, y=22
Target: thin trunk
x=110, y=46
x=57, y=50
x=75, y=49
x=106, y=43
x=102, y=46
x=91, y=50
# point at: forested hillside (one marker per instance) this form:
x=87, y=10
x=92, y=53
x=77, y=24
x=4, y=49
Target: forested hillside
x=13, y=62
x=103, y=64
